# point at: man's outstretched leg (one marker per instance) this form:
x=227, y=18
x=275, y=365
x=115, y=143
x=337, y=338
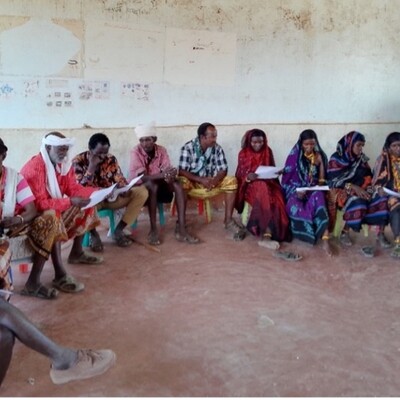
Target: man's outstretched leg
x=67, y=364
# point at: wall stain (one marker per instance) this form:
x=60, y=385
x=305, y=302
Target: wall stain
x=301, y=20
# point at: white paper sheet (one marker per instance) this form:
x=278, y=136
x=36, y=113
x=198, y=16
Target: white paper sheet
x=124, y=189
x=391, y=192
x=98, y=196
x=306, y=188
x=266, y=172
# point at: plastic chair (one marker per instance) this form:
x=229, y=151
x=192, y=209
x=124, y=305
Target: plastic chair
x=104, y=213
x=203, y=203
x=339, y=223
x=160, y=207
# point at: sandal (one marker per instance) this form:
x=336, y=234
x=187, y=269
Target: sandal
x=123, y=240
x=41, y=292
x=345, y=239
x=96, y=244
x=287, y=255
x=186, y=238
x=153, y=239
x=85, y=258
x=239, y=232
x=269, y=244
x=396, y=252
x=68, y=284
x=385, y=244
x=368, y=251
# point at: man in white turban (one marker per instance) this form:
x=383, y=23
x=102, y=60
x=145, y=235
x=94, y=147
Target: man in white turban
x=52, y=181
x=160, y=178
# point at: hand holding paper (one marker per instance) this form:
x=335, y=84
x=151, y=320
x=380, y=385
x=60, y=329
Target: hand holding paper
x=98, y=196
x=268, y=172
x=306, y=188
x=124, y=189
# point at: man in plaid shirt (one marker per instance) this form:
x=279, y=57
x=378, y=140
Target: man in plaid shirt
x=203, y=167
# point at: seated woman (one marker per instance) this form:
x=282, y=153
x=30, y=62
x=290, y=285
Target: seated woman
x=267, y=215
x=387, y=174
x=306, y=166
x=350, y=177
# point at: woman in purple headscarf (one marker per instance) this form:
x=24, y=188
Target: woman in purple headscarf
x=387, y=175
x=350, y=177
x=306, y=166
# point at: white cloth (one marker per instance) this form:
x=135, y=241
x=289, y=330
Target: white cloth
x=146, y=130
x=52, y=185
x=10, y=192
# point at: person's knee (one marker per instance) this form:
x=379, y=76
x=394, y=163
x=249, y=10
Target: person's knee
x=141, y=194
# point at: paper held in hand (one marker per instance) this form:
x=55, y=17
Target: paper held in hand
x=267, y=172
x=98, y=196
x=391, y=192
x=306, y=188
x=124, y=189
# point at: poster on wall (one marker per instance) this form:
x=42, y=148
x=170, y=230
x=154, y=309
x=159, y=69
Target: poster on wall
x=136, y=91
x=137, y=55
x=200, y=58
x=24, y=52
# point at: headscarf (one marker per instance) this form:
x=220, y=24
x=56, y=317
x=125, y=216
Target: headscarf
x=297, y=167
x=345, y=167
x=62, y=168
x=249, y=161
x=383, y=172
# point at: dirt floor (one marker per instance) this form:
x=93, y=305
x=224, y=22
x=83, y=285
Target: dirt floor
x=223, y=318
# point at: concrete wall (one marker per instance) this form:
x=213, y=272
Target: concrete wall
x=327, y=65
x=23, y=144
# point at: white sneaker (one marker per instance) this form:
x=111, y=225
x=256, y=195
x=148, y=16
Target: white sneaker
x=88, y=364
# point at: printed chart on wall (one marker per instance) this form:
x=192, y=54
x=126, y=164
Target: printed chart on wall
x=200, y=57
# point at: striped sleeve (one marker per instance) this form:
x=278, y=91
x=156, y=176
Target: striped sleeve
x=24, y=192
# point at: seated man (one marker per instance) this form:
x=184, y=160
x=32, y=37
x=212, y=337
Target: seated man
x=152, y=160
x=59, y=198
x=66, y=364
x=97, y=168
x=203, y=166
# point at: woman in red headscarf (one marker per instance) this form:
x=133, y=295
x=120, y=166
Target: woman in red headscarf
x=266, y=206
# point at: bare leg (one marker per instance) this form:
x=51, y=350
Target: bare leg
x=229, y=205
x=76, y=252
x=326, y=244
x=14, y=324
x=181, y=201
x=152, y=187
x=33, y=281
x=6, y=348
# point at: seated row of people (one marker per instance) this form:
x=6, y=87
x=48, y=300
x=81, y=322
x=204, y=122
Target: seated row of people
x=311, y=215
x=48, y=185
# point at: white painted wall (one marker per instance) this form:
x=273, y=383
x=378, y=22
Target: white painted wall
x=327, y=65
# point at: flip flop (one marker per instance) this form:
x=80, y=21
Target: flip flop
x=123, y=241
x=287, y=255
x=186, y=238
x=395, y=253
x=385, y=244
x=85, y=258
x=345, y=239
x=68, y=284
x=269, y=244
x=41, y=292
x=368, y=251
